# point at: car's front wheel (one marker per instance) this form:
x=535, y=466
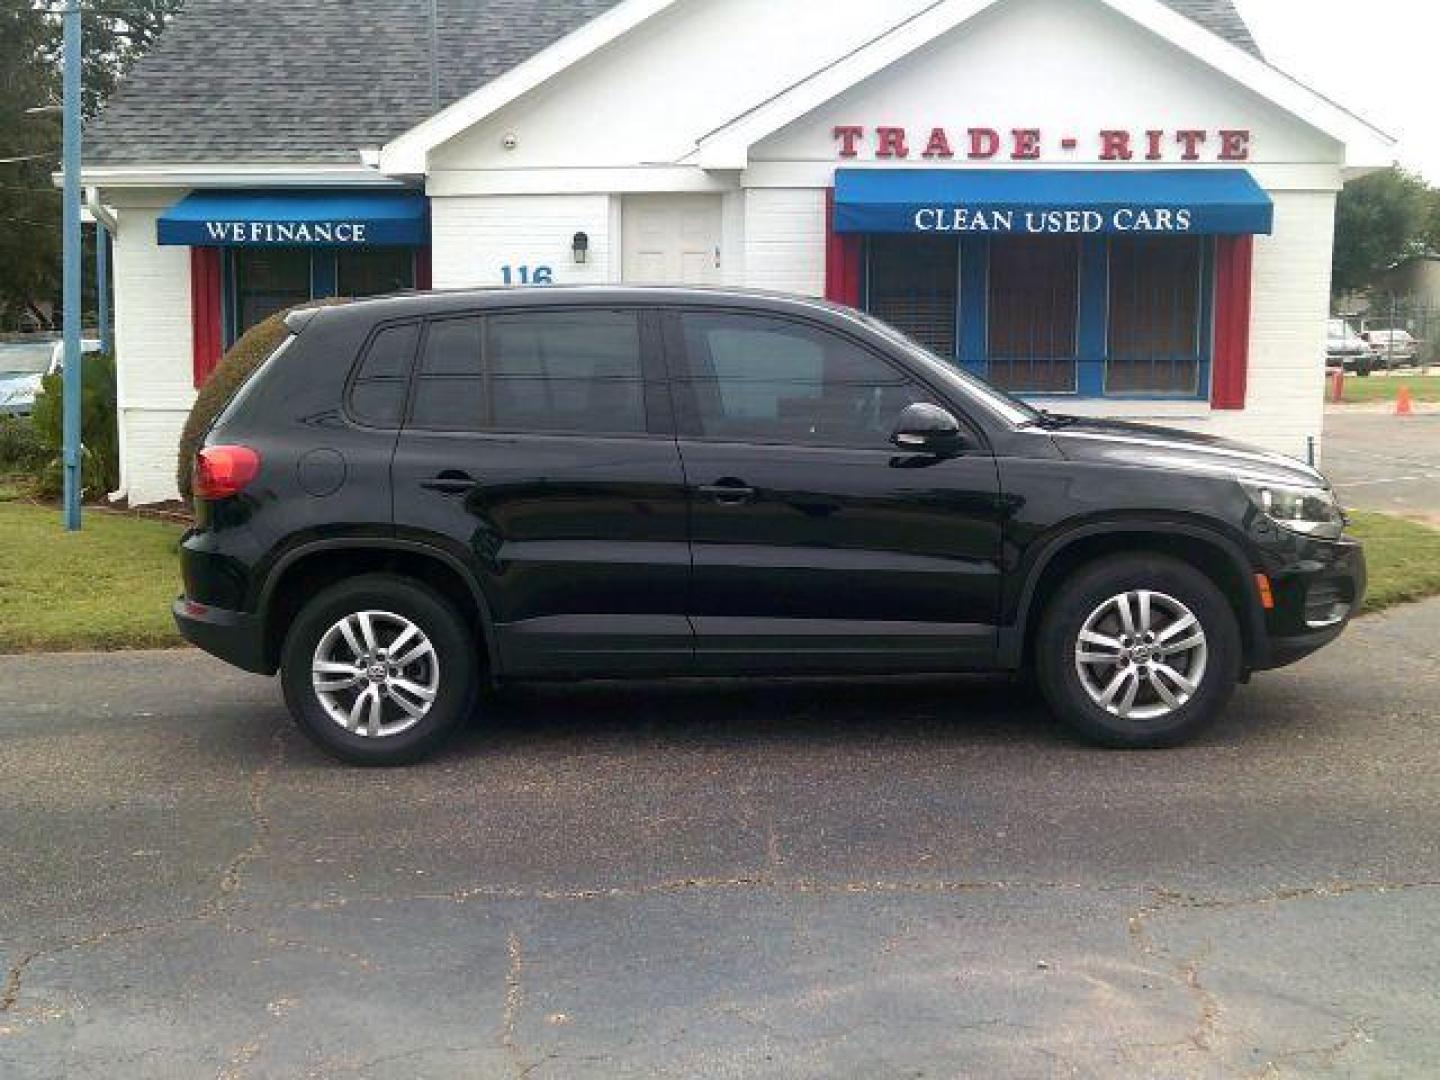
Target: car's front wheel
x=378, y=670
x=1138, y=651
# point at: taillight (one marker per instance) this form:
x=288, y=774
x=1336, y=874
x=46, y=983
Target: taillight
x=222, y=471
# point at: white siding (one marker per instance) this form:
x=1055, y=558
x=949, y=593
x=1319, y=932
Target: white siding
x=785, y=239
x=1290, y=300
x=151, y=438
x=153, y=347
x=475, y=236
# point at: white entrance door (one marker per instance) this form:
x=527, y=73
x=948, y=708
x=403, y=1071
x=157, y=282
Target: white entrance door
x=671, y=239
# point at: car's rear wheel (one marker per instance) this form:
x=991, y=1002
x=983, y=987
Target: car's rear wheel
x=1138, y=651
x=378, y=670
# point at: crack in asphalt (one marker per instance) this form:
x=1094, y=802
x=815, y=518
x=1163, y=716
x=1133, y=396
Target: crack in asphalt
x=514, y=999
x=228, y=885
x=1326, y=1056
x=232, y=875
x=1187, y=973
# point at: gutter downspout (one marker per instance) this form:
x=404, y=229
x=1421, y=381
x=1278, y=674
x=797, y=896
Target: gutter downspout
x=106, y=219
x=99, y=211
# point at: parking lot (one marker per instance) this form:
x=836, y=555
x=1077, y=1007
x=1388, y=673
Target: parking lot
x=1378, y=461
x=894, y=878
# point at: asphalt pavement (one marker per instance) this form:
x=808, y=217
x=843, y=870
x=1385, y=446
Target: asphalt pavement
x=879, y=879
x=1379, y=461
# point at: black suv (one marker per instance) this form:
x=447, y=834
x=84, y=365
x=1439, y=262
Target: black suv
x=420, y=496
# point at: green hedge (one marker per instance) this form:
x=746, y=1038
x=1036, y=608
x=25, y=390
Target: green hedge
x=99, y=429
x=22, y=450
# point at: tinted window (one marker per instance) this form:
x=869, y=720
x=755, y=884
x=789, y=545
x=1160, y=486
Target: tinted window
x=757, y=379
x=542, y=371
x=378, y=394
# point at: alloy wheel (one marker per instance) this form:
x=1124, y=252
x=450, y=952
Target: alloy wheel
x=1141, y=655
x=375, y=673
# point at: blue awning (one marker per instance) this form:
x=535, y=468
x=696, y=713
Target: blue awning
x=1050, y=201
x=297, y=219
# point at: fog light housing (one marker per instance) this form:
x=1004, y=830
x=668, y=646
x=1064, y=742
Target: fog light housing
x=1325, y=605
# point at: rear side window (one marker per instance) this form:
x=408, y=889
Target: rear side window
x=552, y=372
x=377, y=396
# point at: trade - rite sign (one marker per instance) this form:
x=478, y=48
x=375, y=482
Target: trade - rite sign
x=1033, y=144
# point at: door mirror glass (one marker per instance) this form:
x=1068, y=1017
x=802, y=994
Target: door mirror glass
x=928, y=429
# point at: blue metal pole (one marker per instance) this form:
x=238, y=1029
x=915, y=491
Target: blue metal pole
x=70, y=455
x=102, y=286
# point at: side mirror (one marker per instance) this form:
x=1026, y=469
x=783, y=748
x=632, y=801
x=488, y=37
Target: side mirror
x=927, y=429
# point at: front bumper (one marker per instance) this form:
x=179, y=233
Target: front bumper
x=1318, y=587
x=236, y=637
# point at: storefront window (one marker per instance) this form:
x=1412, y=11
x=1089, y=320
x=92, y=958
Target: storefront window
x=914, y=286
x=267, y=280
x=1033, y=313
x=374, y=271
x=264, y=280
x=1154, y=323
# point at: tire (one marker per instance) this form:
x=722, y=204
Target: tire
x=1175, y=590
x=440, y=684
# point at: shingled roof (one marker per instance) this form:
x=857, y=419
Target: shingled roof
x=311, y=81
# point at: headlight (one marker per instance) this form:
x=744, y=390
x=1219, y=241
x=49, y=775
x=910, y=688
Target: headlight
x=1310, y=511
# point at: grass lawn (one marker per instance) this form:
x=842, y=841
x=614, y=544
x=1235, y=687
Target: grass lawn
x=110, y=585
x=1422, y=388
x=1403, y=558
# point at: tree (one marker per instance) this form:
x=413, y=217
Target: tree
x=1379, y=220
x=29, y=147
x=115, y=34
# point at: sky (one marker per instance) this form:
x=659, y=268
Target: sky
x=1378, y=58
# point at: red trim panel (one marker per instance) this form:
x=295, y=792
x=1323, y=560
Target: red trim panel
x=842, y=259
x=205, y=311
x=1229, y=374
x=423, y=274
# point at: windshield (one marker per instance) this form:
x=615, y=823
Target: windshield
x=1340, y=331
x=26, y=357
x=1002, y=404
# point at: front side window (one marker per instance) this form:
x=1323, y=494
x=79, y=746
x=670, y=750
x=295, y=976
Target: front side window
x=534, y=371
x=1034, y=313
x=759, y=379
x=1154, y=325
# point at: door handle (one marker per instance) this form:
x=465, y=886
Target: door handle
x=728, y=490
x=450, y=482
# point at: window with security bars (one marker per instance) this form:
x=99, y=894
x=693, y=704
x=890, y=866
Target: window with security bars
x=1154, y=320
x=1033, y=313
x=914, y=284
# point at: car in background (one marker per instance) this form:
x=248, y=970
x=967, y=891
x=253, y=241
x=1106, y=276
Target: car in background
x=23, y=364
x=1347, y=350
x=1392, y=348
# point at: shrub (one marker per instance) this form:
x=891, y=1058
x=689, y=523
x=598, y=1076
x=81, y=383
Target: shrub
x=235, y=368
x=21, y=448
x=99, y=429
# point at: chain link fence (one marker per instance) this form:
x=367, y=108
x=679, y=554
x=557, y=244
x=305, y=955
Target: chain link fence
x=1387, y=315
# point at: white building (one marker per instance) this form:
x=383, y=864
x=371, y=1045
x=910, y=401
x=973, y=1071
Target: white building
x=1114, y=205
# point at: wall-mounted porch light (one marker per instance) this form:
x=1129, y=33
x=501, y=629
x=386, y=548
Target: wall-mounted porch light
x=580, y=248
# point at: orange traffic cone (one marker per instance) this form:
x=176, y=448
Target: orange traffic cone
x=1402, y=402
